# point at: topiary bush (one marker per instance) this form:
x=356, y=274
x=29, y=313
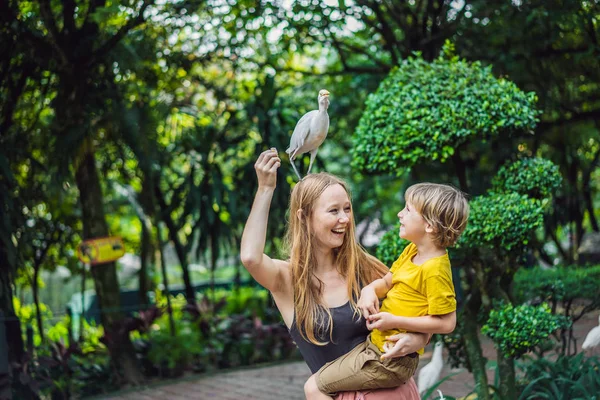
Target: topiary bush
x=422, y=111
x=535, y=177
x=517, y=330
x=503, y=222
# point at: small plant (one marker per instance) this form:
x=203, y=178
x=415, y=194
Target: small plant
x=567, y=378
x=517, y=330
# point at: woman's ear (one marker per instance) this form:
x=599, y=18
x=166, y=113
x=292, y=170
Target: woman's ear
x=299, y=214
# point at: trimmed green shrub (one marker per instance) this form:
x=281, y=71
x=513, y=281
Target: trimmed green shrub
x=504, y=222
x=517, y=330
x=535, y=177
x=422, y=111
x=558, y=285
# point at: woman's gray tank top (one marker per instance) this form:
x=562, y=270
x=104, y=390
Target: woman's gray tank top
x=348, y=332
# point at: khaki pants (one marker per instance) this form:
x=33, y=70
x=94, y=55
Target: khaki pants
x=363, y=369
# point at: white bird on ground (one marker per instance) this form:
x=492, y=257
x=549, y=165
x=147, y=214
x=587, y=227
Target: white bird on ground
x=430, y=374
x=310, y=132
x=593, y=338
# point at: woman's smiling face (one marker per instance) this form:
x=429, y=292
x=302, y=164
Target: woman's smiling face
x=331, y=215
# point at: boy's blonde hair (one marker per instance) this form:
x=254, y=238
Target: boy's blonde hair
x=353, y=262
x=444, y=207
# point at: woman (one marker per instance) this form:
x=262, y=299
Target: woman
x=316, y=290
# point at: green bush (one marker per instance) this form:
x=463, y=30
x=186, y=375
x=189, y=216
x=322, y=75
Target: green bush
x=422, y=111
x=234, y=328
x=535, y=177
x=558, y=285
x=566, y=378
x=517, y=330
x=503, y=222
x=390, y=247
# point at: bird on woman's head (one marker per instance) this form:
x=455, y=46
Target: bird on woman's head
x=310, y=132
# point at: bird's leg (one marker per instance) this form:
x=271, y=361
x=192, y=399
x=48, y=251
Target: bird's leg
x=313, y=155
x=295, y=170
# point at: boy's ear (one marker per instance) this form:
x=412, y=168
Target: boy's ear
x=429, y=228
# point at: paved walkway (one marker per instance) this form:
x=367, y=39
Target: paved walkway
x=285, y=381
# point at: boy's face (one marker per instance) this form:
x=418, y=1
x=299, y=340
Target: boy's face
x=413, y=226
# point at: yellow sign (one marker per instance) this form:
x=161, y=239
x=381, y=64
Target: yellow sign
x=101, y=250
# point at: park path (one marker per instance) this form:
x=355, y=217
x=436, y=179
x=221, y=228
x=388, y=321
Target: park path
x=285, y=381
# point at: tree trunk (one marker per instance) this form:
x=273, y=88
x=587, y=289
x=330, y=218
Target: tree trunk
x=461, y=170
x=36, y=301
x=190, y=294
x=163, y=268
x=506, y=368
x=145, y=256
x=15, y=352
x=475, y=355
x=105, y=275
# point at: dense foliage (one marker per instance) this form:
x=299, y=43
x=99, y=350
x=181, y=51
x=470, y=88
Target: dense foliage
x=568, y=377
x=502, y=222
x=518, y=330
x=423, y=111
x=535, y=177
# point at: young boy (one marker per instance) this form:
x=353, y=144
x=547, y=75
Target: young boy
x=418, y=296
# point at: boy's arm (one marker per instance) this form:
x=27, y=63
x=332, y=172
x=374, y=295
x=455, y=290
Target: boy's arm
x=370, y=295
x=426, y=324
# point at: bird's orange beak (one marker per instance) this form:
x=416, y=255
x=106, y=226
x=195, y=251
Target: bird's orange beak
x=324, y=93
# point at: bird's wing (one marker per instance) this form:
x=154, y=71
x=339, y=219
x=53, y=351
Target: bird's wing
x=592, y=339
x=301, y=131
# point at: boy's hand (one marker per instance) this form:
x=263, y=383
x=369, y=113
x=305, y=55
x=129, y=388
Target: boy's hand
x=382, y=321
x=368, y=302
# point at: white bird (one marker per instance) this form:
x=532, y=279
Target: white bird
x=430, y=374
x=310, y=132
x=593, y=337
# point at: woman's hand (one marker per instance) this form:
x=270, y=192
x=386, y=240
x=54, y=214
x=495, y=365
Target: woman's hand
x=266, y=168
x=401, y=344
x=383, y=321
x=368, y=302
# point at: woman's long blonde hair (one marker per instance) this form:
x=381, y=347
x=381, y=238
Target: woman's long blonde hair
x=353, y=262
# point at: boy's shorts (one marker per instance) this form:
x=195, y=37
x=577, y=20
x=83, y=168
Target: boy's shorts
x=363, y=369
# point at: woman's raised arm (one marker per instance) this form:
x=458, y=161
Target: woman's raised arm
x=266, y=271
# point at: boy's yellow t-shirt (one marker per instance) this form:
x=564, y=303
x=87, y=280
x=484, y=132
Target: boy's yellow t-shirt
x=417, y=290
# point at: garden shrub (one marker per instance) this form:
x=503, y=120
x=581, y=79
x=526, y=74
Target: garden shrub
x=517, y=330
x=559, y=285
x=566, y=378
x=535, y=177
x=422, y=111
x=502, y=222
